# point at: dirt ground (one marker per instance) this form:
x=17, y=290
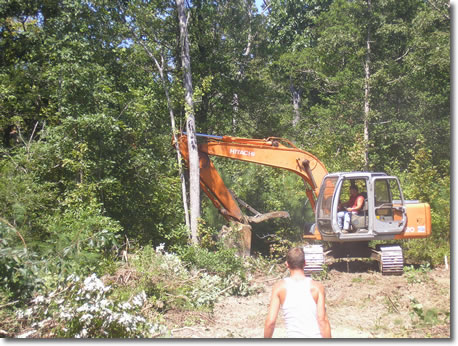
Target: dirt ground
x=360, y=301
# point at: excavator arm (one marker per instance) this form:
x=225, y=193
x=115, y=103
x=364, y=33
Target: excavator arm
x=274, y=152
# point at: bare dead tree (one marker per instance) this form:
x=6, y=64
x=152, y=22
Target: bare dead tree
x=194, y=180
x=367, y=106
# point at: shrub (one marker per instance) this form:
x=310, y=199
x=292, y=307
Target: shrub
x=80, y=235
x=83, y=309
x=194, y=278
x=417, y=275
x=223, y=262
x=161, y=275
x=431, y=184
x=19, y=267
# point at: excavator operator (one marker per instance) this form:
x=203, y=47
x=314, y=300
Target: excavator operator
x=349, y=208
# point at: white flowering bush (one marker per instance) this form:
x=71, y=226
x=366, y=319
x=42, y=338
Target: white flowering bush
x=207, y=290
x=83, y=310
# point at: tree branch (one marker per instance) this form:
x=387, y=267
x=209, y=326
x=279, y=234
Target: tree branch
x=446, y=16
x=14, y=228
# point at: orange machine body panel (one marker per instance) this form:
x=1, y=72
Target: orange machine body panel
x=315, y=236
x=418, y=221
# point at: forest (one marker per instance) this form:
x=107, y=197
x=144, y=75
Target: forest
x=92, y=92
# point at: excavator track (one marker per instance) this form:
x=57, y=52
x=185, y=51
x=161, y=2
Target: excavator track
x=314, y=259
x=391, y=259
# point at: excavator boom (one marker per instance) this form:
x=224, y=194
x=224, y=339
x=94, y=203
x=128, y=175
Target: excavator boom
x=274, y=152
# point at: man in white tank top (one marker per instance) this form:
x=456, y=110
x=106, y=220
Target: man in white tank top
x=302, y=301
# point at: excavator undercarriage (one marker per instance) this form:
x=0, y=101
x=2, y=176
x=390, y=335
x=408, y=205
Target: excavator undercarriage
x=389, y=257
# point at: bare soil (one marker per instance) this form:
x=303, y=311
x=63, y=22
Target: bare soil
x=360, y=301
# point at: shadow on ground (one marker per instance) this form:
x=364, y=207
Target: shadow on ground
x=354, y=266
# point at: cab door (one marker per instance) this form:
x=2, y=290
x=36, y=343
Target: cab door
x=326, y=205
x=389, y=214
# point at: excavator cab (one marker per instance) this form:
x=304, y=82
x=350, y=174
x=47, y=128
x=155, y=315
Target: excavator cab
x=385, y=215
x=382, y=213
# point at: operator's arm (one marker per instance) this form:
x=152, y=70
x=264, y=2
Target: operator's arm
x=322, y=316
x=272, y=314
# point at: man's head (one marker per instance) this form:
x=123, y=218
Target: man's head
x=353, y=190
x=295, y=258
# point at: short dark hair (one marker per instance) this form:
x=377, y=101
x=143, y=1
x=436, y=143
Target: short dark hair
x=296, y=258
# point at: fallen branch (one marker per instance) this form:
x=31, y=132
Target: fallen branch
x=265, y=236
x=267, y=216
x=8, y=304
x=227, y=288
x=392, y=304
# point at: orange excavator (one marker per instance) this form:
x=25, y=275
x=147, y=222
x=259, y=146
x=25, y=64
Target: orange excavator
x=385, y=215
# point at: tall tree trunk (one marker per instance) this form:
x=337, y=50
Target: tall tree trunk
x=241, y=72
x=367, y=106
x=235, y=110
x=194, y=187
x=296, y=103
x=250, y=36
x=174, y=132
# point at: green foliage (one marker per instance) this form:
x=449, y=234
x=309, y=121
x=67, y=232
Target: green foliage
x=429, y=250
x=160, y=274
x=426, y=317
x=424, y=182
x=192, y=278
x=82, y=236
x=324, y=274
x=207, y=236
x=279, y=245
x=417, y=275
x=291, y=22
x=223, y=262
x=60, y=235
x=26, y=199
x=19, y=267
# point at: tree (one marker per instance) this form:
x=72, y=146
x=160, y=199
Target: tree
x=194, y=179
x=291, y=28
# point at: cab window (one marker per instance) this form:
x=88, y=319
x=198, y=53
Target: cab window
x=329, y=186
x=386, y=191
x=345, y=190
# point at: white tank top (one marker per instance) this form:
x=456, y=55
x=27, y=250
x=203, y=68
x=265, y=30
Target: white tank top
x=299, y=310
